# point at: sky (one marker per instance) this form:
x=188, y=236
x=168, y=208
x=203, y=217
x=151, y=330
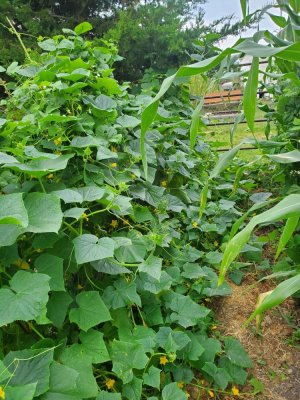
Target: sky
x=215, y=9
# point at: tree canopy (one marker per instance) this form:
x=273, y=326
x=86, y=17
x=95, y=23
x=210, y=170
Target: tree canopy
x=149, y=33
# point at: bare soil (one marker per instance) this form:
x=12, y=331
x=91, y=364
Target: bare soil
x=276, y=363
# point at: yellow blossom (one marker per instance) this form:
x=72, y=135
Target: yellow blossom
x=163, y=360
x=187, y=395
x=114, y=223
x=195, y=224
x=57, y=141
x=110, y=383
x=58, y=153
x=79, y=287
x=2, y=393
x=180, y=384
x=50, y=176
x=163, y=183
x=214, y=327
x=84, y=216
x=113, y=165
x=211, y=393
x=235, y=391
x=114, y=149
x=21, y=264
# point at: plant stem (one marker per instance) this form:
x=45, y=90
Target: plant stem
x=19, y=39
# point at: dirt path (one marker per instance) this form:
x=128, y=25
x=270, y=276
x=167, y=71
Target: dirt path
x=276, y=364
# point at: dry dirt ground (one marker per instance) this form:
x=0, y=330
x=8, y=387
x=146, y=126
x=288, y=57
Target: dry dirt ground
x=275, y=362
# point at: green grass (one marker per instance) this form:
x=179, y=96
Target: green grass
x=219, y=136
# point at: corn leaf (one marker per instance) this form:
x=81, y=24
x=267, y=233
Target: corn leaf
x=250, y=94
x=290, y=226
x=277, y=296
x=288, y=207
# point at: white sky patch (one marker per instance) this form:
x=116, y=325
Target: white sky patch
x=216, y=9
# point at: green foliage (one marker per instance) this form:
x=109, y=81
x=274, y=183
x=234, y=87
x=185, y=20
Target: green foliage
x=104, y=280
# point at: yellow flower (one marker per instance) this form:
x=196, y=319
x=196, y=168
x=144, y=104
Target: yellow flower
x=216, y=243
x=114, y=223
x=163, y=360
x=214, y=327
x=79, y=287
x=50, y=176
x=2, y=393
x=57, y=141
x=113, y=165
x=21, y=264
x=211, y=393
x=235, y=391
x=195, y=224
x=180, y=384
x=84, y=216
x=163, y=183
x=114, y=149
x=110, y=383
x=187, y=395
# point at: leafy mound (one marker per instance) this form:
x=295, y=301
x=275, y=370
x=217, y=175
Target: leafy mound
x=104, y=278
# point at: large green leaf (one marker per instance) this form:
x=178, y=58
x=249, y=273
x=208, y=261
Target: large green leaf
x=26, y=298
x=63, y=382
x=41, y=166
x=79, y=195
x=127, y=356
x=24, y=392
x=288, y=207
x=52, y=266
x=172, y=392
x=30, y=367
x=186, y=312
x=91, y=310
x=133, y=390
x=89, y=248
x=83, y=28
x=86, y=383
x=44, y=212
x=152, y=266
x=12, y=210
